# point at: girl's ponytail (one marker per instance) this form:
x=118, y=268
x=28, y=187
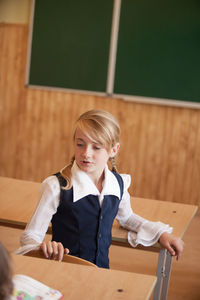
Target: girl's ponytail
x=67, y=175
x=113, y=164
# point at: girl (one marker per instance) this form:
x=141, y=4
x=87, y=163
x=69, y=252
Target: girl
x=82, y=200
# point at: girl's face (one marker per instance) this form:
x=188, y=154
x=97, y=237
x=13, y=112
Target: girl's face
x=90, y=157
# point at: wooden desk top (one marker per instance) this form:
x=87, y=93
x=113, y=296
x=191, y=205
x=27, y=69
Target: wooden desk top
x=18, y=199
x=177, y=215
x=76, y=281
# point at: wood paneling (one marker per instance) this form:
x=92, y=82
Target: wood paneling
x=160, y=145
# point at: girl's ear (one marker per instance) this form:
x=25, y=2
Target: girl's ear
x=114, y=150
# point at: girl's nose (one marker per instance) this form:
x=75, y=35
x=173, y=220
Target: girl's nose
x=87, y=151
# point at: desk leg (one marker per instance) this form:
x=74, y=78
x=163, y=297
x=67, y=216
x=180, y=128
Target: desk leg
x=168, y=264
x=163, y=275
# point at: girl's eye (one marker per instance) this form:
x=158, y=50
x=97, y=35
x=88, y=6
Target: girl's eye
x=79, y=145
x=97, y=147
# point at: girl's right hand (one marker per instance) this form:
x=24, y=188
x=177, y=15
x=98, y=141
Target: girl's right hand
x=53, y=250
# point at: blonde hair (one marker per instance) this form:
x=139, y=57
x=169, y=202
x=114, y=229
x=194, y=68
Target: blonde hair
x=102, y=128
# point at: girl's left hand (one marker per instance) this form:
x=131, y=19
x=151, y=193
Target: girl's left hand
x=172, y=243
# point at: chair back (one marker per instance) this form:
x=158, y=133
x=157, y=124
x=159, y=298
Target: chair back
x=66, y=258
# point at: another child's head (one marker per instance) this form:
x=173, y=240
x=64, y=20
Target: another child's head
x=6, y=284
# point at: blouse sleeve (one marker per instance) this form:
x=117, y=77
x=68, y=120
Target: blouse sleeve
x=36, y=229
x=141, y=231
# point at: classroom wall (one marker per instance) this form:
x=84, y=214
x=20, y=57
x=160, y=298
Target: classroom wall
x=160, y=145
x=12, y=11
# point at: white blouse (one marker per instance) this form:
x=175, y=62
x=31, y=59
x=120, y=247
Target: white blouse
x=141, y=231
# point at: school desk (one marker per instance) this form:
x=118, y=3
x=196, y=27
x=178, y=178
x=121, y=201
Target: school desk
x=176, y=215
x=85, y=282
x=18, y=199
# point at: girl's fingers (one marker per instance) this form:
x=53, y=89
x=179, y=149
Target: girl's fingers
x=171, y=250
x=60, y=252
x=53, y=250
x=179, y=249
x=43, y=247
x=50, y=249
x=173, y=244
x=66, y=251
x=177, y=246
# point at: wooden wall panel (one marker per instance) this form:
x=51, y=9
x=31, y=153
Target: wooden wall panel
x=160, y=145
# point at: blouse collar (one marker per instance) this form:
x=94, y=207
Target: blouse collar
x=83, y=184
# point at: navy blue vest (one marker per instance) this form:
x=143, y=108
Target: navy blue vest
x=83, y=226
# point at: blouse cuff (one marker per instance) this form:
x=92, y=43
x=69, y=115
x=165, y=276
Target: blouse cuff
x=27, y=248
x=148, y=234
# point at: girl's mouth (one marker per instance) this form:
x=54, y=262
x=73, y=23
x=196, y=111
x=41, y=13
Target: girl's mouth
x=85, y=162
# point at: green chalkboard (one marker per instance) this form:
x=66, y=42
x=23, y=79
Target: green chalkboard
x=159, y=49
x=70, y=44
